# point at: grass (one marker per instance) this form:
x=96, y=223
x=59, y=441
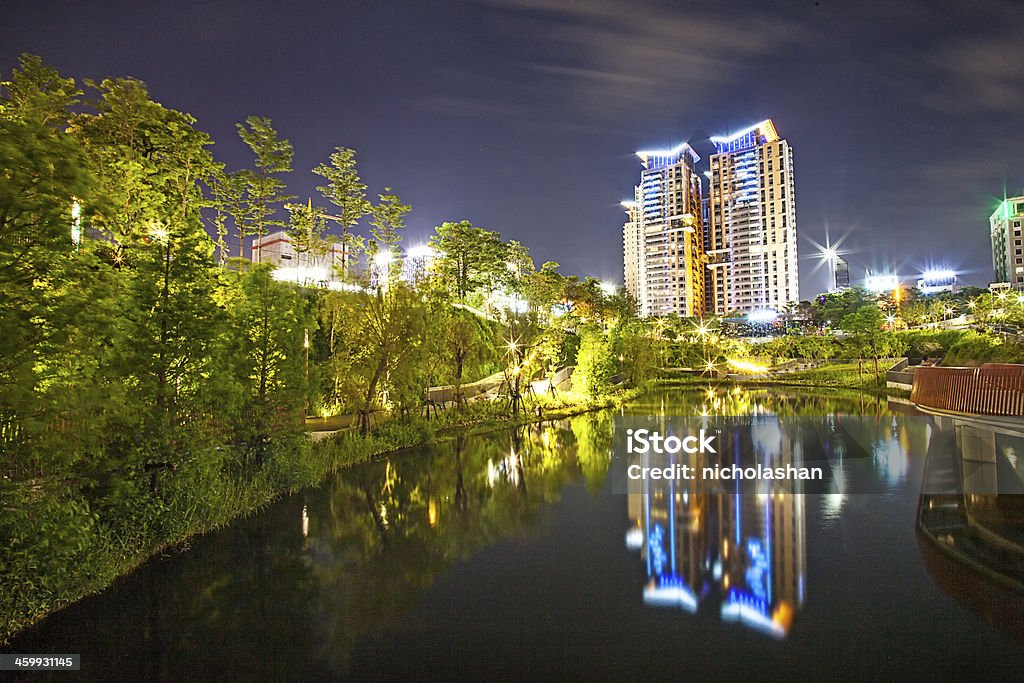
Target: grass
x=846, y=375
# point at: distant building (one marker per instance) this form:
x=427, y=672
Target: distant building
x=842, y=274
x=663, y=244
x=1007, y=245
x=874, y=282
x=935, y=281
x=752, y=238
x=302, y=268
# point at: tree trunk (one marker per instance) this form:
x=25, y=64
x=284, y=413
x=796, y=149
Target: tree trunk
x=371, y=392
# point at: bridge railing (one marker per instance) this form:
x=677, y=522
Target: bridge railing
x=992, y=389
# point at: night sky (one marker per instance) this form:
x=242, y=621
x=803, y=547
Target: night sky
x=522, y=115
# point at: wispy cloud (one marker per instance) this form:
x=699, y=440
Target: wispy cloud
x=616, y=54
x=594, y=61
x=980, y=74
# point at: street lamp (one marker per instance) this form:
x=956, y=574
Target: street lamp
x=830, y=254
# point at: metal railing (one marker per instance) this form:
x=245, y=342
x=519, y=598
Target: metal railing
x=992, y=389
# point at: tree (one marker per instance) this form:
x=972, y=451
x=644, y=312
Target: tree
x=466, y=257
x=272, y=321
x=347, y=192
x=594, y=363
x=465, y=339
x=38, y=93
x=388, y=219
x=42, y=172
x=833, y=307
x=865, y=327
x=306, y=227
x=149, y=162
x=392, y=327
x=388, y=223
x=265, y=190
x=228, y=200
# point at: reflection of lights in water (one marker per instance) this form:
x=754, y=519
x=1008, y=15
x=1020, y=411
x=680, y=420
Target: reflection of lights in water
x=635, y=538
x=891, y=460
x=670, y=591
x=753, y=612
x=656, y=549
x=832, y=503
x=758, y=572
x=383, y=514
x=432, y=513
x=492, y=473
x=305, y=522
x=511, y=470
x=767, y=437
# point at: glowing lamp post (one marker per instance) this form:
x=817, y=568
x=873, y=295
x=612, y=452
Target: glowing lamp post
x=382, y=261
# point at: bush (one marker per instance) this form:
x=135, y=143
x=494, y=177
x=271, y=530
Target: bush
x=974, y=348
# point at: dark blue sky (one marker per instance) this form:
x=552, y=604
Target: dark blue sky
x=522, y=115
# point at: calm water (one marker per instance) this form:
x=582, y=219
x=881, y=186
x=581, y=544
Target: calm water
x=507, y=555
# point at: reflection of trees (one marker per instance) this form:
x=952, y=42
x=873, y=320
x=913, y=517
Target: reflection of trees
x=381, y=533
x=593, y=434
x=376, y=536
x=726, y=399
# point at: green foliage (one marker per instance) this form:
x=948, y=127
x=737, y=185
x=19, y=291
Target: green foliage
x=37, y=94
x=272, y=323
x=594, y=363
x=306, y=227
x=467, y=257
x=832, y=308
x=634, y=351
x=819, y=347
x=265, y=191
x=346, y=191
x=974, y=348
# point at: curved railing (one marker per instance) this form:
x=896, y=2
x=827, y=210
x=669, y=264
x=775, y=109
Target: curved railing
x=992, y=389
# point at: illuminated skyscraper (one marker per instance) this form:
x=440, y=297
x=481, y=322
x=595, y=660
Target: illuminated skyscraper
x=1007, y=245
x=632, y=249
x=663, y=249
x=751, y=242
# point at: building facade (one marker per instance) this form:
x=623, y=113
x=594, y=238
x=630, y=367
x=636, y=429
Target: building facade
x=304, y=268
x=1007, y=245
x=752, y=232
x=841, y=270
x=632, y=249
x=663, y=247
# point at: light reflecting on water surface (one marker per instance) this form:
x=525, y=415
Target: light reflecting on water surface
x=508, y=555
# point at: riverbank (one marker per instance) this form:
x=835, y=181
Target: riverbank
x=836, y=376
x=841, y=376
x=65, y=545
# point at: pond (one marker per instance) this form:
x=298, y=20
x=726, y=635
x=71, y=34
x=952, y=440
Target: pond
x=510, y=555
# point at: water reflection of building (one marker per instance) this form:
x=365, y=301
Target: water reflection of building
x=742, y=554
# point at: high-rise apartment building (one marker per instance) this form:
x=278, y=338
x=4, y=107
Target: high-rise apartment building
x=1007, y=245
x=663, y=248
x=751, y=240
